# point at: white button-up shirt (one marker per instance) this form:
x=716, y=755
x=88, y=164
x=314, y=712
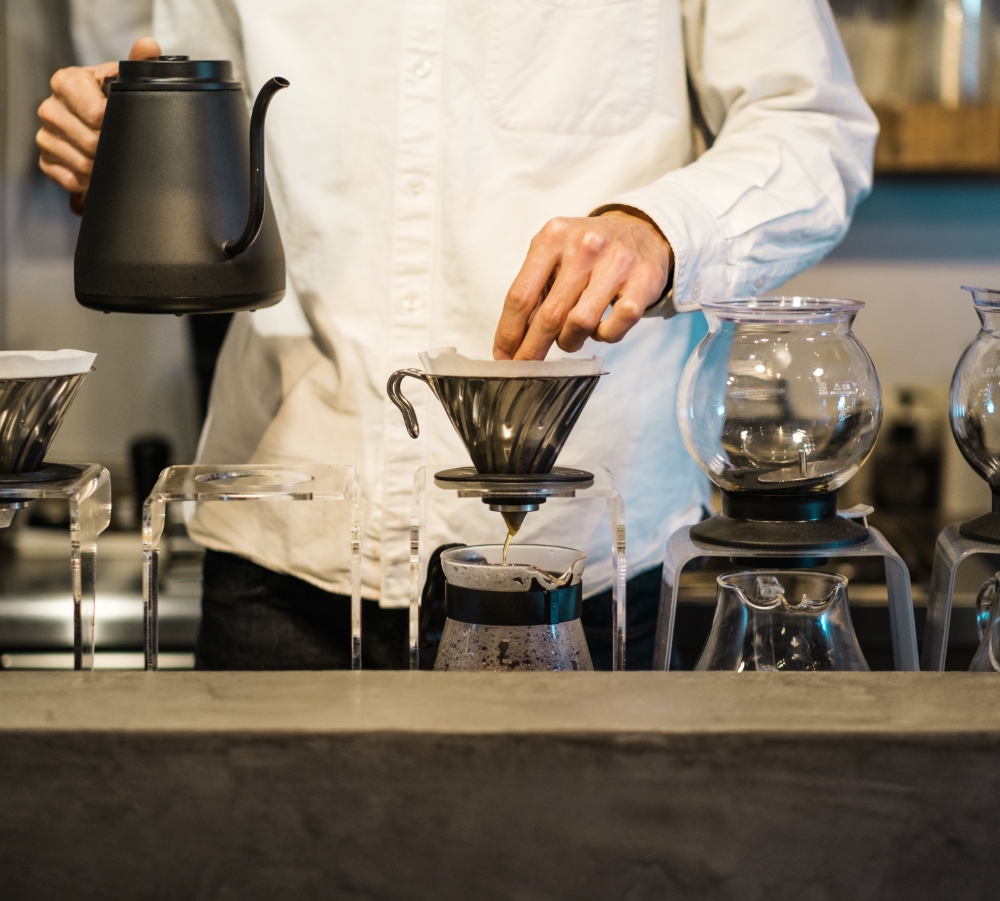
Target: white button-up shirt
x=420, y=147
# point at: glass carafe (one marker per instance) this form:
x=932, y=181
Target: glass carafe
x=770, y=621
x=780, y=397
x=987, y=659
x=521, y=615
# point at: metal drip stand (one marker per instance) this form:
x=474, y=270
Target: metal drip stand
x=512, y=494
x=682, y=548
x=87, y=488
x=264, y=482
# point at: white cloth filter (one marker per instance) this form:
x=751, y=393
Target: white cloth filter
x=447, y=361
x=33, y=364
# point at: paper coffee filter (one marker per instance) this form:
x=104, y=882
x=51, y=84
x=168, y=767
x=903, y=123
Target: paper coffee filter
x=446, y=361
x=33, y=364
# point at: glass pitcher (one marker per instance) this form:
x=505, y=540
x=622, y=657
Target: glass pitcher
x=770, y=621
x=987, y=659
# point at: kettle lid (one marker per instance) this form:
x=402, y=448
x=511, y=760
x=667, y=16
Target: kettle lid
x=175, y=73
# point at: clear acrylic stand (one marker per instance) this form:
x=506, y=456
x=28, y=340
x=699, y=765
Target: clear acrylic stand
x=682, y=548
x=602, y=488
x=87, y=488
x=951, y=550
x=265, y=482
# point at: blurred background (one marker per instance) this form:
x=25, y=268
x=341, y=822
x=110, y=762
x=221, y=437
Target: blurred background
x=930, y=69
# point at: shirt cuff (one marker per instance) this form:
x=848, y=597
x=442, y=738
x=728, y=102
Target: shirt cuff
x=695, y=236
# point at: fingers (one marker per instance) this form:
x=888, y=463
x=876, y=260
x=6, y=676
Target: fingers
x=57, y=151
x=80, y=92
x=610, y=275
x=549, y=318
x=145, y=48
x=525, y=294
x=59, y=121
x=589, y=263
x=62, y=176
x=625, y=314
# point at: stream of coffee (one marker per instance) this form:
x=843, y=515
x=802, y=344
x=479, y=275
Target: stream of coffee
x=513, y=519
x=511, y=532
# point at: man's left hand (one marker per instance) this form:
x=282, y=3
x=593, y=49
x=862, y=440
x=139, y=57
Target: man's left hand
x=575, y=270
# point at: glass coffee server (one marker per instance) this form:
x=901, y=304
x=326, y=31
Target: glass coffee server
x=780, y=405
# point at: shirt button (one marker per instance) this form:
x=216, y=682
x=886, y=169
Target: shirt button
x=416, y=185
x=411, y=303
x=759, y=283
x=696, y=290
x=423, y=68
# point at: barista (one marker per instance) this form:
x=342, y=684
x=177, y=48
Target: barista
x=510, y=178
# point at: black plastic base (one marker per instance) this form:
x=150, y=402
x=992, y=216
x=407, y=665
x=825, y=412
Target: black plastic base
x=770, y=522
x=546, y=483
x=180, y=305
x=982, y=528
x=49, y=472
x=559, y=475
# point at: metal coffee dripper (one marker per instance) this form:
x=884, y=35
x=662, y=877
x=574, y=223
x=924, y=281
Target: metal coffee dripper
x=31, y=412
x=513, y=428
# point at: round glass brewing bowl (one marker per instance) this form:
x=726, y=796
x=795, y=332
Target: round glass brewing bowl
x=780, y=396
x=975, y=391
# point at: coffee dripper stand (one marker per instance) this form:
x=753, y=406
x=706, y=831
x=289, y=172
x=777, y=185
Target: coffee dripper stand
x=954, y=546
x=682, y=548
x=298, y=482
x=32, y=409
x=973, y=422
x=87, y=488
x=519, y=494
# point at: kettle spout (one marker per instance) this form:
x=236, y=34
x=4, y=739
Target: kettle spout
x=256, y=216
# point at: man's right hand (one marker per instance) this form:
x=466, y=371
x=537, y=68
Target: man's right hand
x=71, y=121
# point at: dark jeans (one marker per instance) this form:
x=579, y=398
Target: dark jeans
x=256, y=619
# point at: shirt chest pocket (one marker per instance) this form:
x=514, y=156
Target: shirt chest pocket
x=571, y=66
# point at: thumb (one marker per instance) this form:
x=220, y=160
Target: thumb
x=144, y=48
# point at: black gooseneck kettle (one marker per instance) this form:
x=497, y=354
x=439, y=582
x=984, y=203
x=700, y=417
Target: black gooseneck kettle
x=177, y=218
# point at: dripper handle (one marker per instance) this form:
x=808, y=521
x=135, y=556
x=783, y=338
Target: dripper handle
x=395, y=393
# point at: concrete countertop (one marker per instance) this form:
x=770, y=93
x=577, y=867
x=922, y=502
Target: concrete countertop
x=483, y=703
x=525, y=786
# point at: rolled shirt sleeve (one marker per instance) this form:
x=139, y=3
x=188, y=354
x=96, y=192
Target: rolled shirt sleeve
x=791, y=156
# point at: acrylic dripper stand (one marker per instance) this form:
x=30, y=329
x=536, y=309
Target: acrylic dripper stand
x=683, y=548
x=265, y=482
x=955, y=544
x=467, y=483
x=87, y=488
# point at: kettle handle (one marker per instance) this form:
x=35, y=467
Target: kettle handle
x=404, y=406
x=256, y=217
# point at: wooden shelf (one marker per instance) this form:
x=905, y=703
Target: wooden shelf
x=928, y=138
